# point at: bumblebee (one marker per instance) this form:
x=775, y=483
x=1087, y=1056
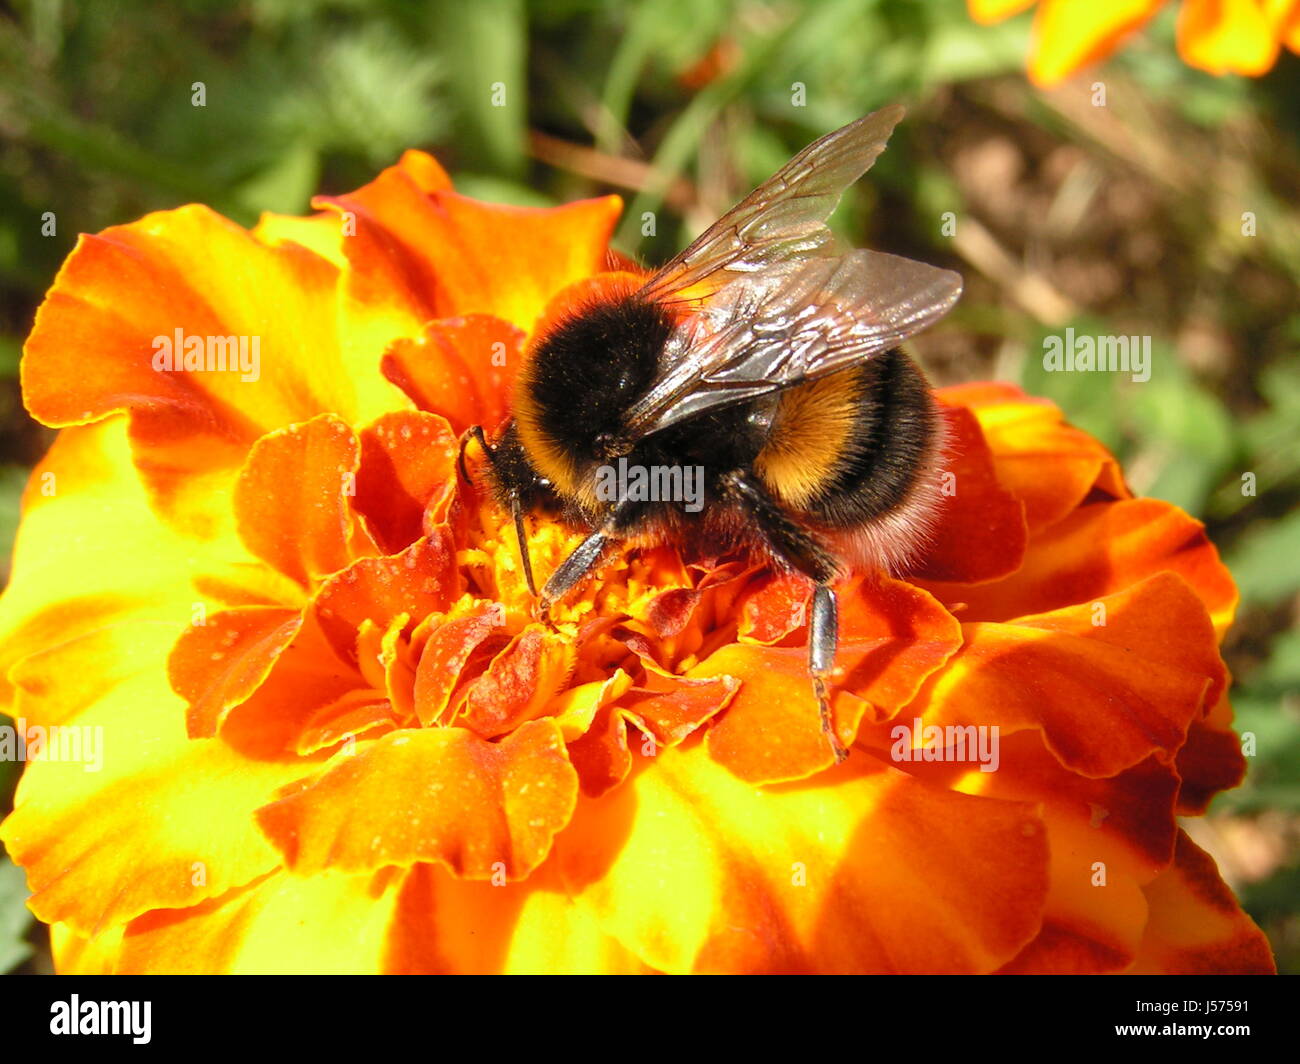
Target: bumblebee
x=767, y=360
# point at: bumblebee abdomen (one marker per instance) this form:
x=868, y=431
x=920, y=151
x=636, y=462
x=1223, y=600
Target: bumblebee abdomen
x=852, y=447
x=813, y=439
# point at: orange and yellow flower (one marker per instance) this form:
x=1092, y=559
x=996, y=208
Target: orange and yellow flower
x=1218, y=36
x=336, y=739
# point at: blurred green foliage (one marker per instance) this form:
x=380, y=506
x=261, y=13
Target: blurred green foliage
x=98, y=124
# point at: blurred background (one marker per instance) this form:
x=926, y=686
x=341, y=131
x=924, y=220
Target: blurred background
x=1126, y=217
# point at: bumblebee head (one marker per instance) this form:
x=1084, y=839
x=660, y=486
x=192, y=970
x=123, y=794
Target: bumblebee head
x=578, y=381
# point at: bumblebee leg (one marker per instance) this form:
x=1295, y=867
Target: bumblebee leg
x=516, y=510
x=823, y=635
x=476, y=432
x=571, y=570
x=521, y=537
x=586, y=555
x=801, y=550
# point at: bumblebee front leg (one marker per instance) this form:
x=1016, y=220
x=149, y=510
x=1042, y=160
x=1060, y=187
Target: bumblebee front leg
x=586, y=555
x=516, y=508
x=801, y=550
x=571, y=570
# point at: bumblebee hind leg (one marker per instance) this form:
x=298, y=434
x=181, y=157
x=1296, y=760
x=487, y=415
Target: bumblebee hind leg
x=804, y=553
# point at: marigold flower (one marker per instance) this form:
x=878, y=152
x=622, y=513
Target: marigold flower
x=1219, y=36
x=336, y=738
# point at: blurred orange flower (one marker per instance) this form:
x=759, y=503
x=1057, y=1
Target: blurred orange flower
x=336, y=739
x=1219, y=36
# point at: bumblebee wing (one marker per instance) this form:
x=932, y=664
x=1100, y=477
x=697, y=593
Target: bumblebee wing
x=795, y=322
x=784, y=218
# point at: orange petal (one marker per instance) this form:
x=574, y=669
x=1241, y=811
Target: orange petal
x=576, y=708
x=980, y=533
x=292, y=498
x=519, y=682
x=1107, y=838
x=902, y=634
x=772, y=730
x=1098, y=550
x=324, y=232
x=407, y=471
x=892, y=636
x=173, y=843
x=1286, y=14
x=104, y=312
x=431, y=794
x=217, y=665
x=774, y=606
x=460, y=368
x=306, y=677
x=86, y=493
x=601, y=756
x=1069, y=35
x=418, y=255
x=1062, y=948
x=1107, y=695
x=1227, y=36
x=671, y=707
x=669, y=612
x=354, y=715
x=459, y=646
x=1196, y=926
x=791, y=879
x=382, y=221
x=1210, y=761
x=666, y=708
x=423, y=579
x=74, y=954
x=57, y=685
x=1047, y=464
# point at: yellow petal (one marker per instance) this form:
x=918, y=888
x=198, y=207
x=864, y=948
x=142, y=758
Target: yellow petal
x=694, y=870
x=1069, y=34
x=1227, y=36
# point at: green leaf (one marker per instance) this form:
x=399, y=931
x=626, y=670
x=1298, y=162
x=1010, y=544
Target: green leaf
x=1282, y=670
x=286, y=186
x=961, y=48
x=1266, y=561
x=1087, y=397
x=15, y=917
x=11, y=349
x=1189, y=432
x=484, y=44
x=500, y=190
x=12, y=481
